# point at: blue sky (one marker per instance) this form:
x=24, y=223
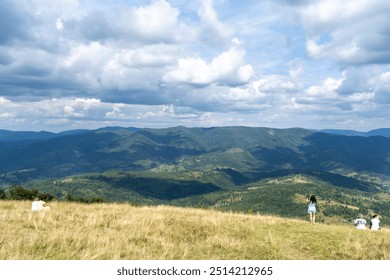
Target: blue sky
x=70, y=64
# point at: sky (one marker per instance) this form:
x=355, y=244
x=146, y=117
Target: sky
x=85, y=64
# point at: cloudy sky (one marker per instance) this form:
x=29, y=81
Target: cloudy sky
x=70, y=64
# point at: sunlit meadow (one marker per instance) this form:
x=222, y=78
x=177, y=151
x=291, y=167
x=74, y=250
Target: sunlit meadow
x=72, y=231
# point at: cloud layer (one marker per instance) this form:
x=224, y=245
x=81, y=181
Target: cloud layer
x=83, y=63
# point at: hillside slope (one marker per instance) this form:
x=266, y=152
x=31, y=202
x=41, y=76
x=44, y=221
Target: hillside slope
x=340, y=198
x=124, y=232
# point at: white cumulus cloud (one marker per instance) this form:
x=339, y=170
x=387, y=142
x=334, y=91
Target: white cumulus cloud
x=349, y=32
x=227, y=68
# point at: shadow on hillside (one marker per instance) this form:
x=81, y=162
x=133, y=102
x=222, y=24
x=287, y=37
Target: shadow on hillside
x=166, y=189
x=352, y=152
x=242, y=178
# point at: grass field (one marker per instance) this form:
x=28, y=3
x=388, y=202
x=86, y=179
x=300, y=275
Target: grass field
x=74, y=231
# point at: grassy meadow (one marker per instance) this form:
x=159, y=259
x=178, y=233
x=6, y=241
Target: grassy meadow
x=72, y=231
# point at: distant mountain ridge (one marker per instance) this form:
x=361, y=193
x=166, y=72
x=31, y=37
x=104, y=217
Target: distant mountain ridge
x=385, y=132
x=9, y=135
x=25, y=155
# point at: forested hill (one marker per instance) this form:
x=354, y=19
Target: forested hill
x=245, y=149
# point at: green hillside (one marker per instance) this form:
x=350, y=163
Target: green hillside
x=340, y=198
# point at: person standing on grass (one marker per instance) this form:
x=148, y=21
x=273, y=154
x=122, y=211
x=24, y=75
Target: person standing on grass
x=360, y=222
x=375, y=223
x=311, y=209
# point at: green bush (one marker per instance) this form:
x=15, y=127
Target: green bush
x=3, y=195
x=21, y=193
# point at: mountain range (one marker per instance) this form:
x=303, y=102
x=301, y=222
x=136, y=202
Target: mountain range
x=33, y=155
x=8, y=135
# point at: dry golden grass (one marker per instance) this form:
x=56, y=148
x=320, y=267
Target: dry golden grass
x=121, y=231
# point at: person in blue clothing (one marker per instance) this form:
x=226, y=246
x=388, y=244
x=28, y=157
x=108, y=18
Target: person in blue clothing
x=311, y=209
